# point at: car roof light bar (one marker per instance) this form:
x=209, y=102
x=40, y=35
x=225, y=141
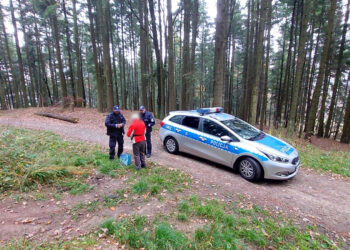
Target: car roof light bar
x=204, y=111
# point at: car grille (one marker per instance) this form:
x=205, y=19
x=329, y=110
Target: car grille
x=295, y=160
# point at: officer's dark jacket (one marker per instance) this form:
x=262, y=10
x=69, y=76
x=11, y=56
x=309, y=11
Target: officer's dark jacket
x=149, y=121
x=111, y=121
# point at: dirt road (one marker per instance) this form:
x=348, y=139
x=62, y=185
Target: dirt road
x=318, y=198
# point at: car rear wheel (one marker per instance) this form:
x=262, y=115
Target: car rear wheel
x=171, y=145
x=250, y=169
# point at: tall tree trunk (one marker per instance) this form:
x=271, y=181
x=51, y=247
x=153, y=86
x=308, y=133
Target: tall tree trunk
x=69, y=52
x=320, y=131
x=242, y=112
x=102, y=13
x=171, y=83
x=156, y=48
x=143, y=52
x=219, y=53
x=19, y=58
x=300, y=66
x=79, y=69
x=59, y=58
x=95, y=58
x=17, y=102
x=186, y=68
x=194, y=18
x=345, y=138
x=258, y=64
x=2, y=93
x=267, y=63
x=338, y=73
x=325, y=53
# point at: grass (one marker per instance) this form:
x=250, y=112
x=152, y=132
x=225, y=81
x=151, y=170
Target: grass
x=29, y=159
x=156, y=179
x=220, y=226
x=337, y=162
x=90, y=241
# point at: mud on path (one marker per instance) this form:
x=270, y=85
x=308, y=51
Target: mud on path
x=320, y=199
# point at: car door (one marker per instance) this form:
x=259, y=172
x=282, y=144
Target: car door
x=189, y=135
x=213, y=147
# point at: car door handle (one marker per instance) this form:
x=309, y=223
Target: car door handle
x=202, y=138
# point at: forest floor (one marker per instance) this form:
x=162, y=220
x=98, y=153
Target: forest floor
x=315, y=196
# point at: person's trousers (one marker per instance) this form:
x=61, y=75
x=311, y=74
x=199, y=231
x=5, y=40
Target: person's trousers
x=112, y=143
x=149, y=143
x=139, y=150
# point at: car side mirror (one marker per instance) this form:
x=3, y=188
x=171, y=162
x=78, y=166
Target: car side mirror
x=226, y=138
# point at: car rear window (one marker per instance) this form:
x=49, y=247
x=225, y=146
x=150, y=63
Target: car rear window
x=177, y=119
x=190, y=121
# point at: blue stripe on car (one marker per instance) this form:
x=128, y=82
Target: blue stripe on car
x=276, y=144
x=214, y=143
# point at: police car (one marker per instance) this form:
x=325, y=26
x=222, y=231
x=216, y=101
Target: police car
x=219, y=137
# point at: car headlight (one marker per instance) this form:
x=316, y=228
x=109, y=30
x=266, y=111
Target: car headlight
x=276, y=158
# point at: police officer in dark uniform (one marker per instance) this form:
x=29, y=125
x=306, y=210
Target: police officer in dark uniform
x=115, y=123
x=149, y=121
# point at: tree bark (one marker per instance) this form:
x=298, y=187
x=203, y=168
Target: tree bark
x=186, y=68
x=300, y=66
x=99, y=82
x=338, y=73
x=157, y=50
x=59, y=58
x=69, y=52
x=326, y=50
x=19, y=58
x=258, y=64
x=102, y=11
x=171, y=84
x=79, y=69
x=219, y=53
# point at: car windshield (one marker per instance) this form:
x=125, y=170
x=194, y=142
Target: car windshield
x=243, y=129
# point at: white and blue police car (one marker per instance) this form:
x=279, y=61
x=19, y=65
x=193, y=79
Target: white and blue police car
x=222, y=138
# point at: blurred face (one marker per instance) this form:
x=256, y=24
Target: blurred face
x=142, y=111
x=116, y=112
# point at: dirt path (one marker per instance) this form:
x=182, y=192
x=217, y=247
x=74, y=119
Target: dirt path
x=318, y=198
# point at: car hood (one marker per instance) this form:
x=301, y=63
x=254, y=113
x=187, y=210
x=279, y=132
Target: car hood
x=276, y=144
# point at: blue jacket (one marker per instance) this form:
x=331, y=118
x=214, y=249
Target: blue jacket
x=111, y=121
x=149, y=121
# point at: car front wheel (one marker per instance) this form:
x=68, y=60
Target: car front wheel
x=250, y=169
x=171, y=145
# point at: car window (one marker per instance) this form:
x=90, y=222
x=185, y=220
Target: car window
x=243, y=129
x=215, y=129
x=190, y=121
x=177, y=119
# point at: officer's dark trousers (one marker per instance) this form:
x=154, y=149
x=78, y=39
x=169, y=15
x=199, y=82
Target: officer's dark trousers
x=139, y=150
x=112, y=143
x=149, y=143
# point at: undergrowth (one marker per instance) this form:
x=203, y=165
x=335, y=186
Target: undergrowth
x=31, y=158
x=220, y=226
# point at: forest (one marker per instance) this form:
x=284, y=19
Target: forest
x=281, y=64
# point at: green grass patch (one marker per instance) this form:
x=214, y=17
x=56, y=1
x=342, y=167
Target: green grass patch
x=228, y=227
x=155, y=179
x=138, y=232
x=337, y=162
x=90, y=241
x=30, y=158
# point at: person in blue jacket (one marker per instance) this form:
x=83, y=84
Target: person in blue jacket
x=149, y=121
x=115, y=123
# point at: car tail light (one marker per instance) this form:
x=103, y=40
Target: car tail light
x=162, y=123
